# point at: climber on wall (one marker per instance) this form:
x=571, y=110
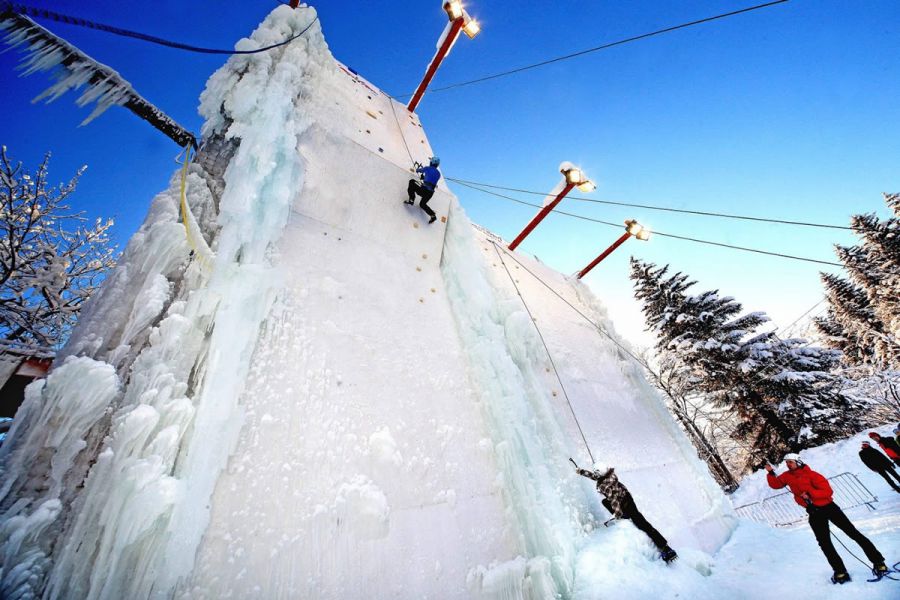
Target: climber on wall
x=619, y=502
x=429, y=177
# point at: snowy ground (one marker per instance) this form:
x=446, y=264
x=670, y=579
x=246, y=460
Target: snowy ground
x=759, y=561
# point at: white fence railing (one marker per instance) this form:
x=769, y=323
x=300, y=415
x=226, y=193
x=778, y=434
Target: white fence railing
x=781, y=510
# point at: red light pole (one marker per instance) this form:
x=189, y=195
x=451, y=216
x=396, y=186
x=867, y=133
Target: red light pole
x=574, y=177
x=295, y=3
x=459, y=21
x=632, y=228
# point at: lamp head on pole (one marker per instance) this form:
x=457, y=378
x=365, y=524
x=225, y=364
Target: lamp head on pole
x=454, y=9
x=471, y=28
x=637, y=230
x=575, y=176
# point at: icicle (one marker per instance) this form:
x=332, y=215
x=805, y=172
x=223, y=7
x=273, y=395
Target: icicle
x=72, y=69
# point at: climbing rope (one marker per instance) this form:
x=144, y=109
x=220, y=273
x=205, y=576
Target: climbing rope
x=549, y=356
x=69, y=20
x=200, y=253
x=838, y=540
x=400, y=127
x=619, y=345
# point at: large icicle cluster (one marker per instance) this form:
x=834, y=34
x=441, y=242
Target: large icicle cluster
x=169, y=344
x=529, y=444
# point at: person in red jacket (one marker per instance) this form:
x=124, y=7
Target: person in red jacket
x=813, y=492
x=889, y=445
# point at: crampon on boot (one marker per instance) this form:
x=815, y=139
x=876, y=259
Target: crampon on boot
x=840, y=578
x=881, y=571
x=667, y=554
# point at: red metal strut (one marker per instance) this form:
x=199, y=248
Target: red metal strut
x=605, y=253
x=540, y=216
x=455, y=27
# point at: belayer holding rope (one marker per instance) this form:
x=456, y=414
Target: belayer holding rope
x=620, y=503
x=813, y=492
x=429, y=177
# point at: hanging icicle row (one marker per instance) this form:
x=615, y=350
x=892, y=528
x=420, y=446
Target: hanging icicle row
x=73, y=69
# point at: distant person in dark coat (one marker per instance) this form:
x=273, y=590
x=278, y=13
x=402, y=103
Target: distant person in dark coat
x=813, y=492
x=619, y=502
x=889, y=445
x=879, y=463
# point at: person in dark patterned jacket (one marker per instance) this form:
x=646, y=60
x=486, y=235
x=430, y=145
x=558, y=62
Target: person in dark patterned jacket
x=619, y=502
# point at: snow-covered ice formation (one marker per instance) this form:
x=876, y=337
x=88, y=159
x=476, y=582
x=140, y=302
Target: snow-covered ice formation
x=338, y=400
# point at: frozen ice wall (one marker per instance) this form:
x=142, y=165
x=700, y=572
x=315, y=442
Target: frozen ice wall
x=318, y=394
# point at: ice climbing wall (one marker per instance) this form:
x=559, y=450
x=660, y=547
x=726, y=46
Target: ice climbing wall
x=344, y=401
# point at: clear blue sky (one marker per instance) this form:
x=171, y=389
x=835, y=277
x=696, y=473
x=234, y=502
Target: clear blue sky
x=789, y=111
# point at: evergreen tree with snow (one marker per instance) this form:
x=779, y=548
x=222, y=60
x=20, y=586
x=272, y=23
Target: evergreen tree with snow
x=780, y=391
x=863, y=320
x=850, y=324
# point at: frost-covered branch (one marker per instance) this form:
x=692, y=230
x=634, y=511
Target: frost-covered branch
x=51, y=258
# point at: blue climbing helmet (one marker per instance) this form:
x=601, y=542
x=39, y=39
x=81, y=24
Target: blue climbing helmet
x=435, y=161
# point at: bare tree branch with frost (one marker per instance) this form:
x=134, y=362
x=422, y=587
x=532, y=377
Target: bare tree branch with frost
x=51, y=258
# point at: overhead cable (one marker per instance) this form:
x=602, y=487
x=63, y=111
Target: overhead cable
x=605, y=46
x=69, y=20
x=655, y=232
x=661, y=208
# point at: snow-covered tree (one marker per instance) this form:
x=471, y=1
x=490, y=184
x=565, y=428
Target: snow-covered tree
x=51, y=258
x=863, y=320
x=781, y=392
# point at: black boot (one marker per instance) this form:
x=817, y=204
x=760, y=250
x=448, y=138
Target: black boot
x=667, y=554
x=840, y=578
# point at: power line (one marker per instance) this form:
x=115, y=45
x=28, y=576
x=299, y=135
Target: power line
x=605, y=46
x=661, y=208
x=670, y=235
x=69, y=20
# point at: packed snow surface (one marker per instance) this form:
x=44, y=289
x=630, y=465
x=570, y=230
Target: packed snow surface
x=335, y=399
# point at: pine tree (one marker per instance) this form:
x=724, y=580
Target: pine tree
x=864, y=313
x=863, y=339
x=848, y=340
x=781, y=391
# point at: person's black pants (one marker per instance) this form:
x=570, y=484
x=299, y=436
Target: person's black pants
x=417, y=188
x=890, y=470
x=630, y=511
x=820, y=516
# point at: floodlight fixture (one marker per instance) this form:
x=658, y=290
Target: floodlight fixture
x=460, y=21
x=632, y=229
x=454, y=9
x=471, y=28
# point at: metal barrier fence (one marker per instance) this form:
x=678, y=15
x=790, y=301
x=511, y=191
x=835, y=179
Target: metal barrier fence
x=781, y=510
